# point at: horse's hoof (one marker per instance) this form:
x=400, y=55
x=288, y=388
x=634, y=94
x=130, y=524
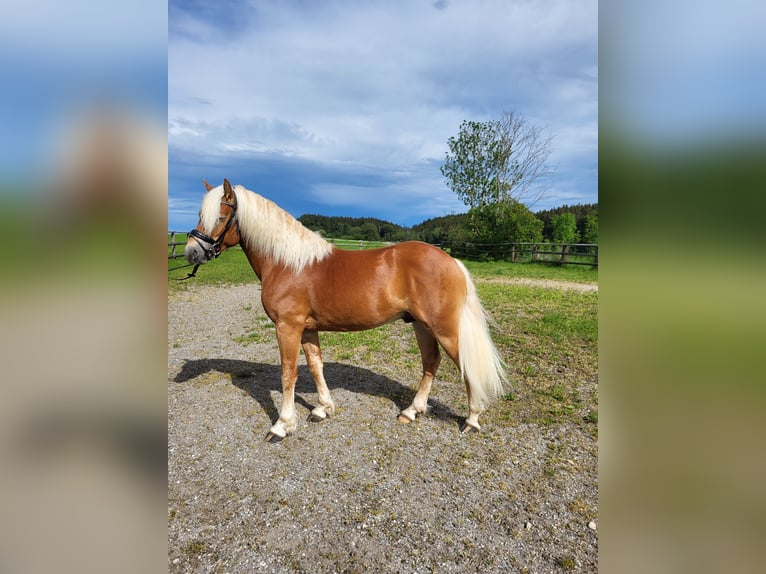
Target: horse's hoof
x=467, y=429
x=272, y=438
x=403, y=419
x=315, y=418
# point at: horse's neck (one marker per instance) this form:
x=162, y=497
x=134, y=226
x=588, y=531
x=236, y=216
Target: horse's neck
x=261, y=264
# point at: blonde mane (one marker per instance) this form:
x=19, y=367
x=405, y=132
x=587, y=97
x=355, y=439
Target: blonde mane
x=267, y=228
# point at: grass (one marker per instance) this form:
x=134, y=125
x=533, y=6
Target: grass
x=263, y=332
x=574, y=273
x=550, y=340
x=231, y=267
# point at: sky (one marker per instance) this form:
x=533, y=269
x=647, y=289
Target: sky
x=344, y=107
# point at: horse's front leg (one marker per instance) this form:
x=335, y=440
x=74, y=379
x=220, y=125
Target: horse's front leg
x=289, y=339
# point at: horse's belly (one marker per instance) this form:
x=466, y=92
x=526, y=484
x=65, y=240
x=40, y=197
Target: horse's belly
x=355, y=318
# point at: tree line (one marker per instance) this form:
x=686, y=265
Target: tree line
x=565, y=224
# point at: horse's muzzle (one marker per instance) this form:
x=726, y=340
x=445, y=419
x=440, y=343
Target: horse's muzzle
x=195, y=253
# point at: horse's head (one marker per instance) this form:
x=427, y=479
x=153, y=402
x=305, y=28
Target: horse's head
x=217, y=219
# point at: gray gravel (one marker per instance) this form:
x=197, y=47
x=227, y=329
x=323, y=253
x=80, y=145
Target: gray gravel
x=358, y=492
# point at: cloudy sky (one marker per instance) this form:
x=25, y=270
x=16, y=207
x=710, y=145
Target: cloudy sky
x=344, y=107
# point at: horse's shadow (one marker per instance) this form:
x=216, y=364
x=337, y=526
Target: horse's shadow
x=259, y=380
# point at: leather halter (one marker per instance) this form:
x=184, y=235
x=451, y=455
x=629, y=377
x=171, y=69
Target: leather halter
x=214, y=249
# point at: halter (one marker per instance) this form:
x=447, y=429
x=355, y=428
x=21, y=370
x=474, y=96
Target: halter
x=215, y=244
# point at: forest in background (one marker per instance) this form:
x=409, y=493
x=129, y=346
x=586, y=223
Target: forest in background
x=455, y=228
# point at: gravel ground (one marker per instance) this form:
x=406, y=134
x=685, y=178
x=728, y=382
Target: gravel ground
x=357, y=492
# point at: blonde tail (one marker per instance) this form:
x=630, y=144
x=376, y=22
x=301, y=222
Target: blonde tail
x=480, y=363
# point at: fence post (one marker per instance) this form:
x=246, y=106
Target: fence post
x=564, y=251
x=172, y=247
x=534, y=252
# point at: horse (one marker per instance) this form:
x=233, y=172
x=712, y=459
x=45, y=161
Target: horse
x=308, y=286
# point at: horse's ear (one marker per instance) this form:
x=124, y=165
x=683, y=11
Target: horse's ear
x=207, y=185
x=228, y=193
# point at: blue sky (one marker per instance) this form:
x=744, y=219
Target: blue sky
x=344, y=107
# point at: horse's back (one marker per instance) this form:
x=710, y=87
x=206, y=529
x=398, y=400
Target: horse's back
x=406, y=260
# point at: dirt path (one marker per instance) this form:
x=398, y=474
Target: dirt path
x=544, y=283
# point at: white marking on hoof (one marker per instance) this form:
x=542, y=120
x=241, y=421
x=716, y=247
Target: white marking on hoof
x=280, y=429
x=468, y=428
x=407, y=415
x=318, y=414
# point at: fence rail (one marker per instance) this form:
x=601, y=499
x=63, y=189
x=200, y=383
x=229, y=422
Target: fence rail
x=560, y=253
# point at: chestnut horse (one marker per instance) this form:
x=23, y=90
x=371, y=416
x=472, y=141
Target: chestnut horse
x=308, y=286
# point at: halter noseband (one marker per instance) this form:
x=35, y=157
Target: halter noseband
x=215, y=244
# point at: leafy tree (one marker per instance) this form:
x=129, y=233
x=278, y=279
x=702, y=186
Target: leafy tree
x=490, y=162
x=591, y=229
x=445, y=229
x=564, y=228
x=507, y=221
x=369, y=231
x=580, y=211
x=472, y=167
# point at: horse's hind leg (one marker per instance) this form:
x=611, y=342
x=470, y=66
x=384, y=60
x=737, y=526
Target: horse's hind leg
x=471, y=424
x=429, y=353
x=310, y=341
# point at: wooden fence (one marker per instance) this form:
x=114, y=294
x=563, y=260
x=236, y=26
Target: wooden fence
x=559, y=253
x=176, y=239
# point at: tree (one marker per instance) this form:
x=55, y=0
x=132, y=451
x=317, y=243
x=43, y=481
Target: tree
x=564, y=228
x=368, y=231
x=591, y=229
x=472, y=168
x=580, y=211
x=506, y=221
x=494, y=161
